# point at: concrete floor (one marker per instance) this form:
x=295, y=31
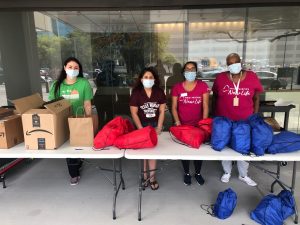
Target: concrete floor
x=38, y=193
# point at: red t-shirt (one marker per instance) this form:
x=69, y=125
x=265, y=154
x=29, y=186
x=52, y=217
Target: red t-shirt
x=148, y=108
x=224, y=89
x=190, y=103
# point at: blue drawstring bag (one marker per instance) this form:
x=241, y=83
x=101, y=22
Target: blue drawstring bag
x=221, y=132
x=241, y=137
x=225, y=204
x=284, y=142
x=288, y=203
x=273, y=210
x=261, y=135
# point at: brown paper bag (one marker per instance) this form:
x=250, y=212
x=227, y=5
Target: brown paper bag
x=81, y=131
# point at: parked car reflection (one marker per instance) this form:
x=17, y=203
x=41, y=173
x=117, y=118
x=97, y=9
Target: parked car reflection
x=269, y=80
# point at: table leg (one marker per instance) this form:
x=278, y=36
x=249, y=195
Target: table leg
x=140, y=189
x=277, y=175
x=115, y=189
x=293, y=190
x=121, y=174
x=2, y=179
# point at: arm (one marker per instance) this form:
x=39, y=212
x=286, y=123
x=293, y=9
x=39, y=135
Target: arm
x=214, y=103
x=161, y=117
x=256, y=102
x=135, y=117
x=205, y=105
x=174, y=110
x=87, y=107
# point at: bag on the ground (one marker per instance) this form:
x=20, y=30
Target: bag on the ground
x=188, y=135
x=241, y=137
x=225, y=204
x=273, y=210
x=206, y=125
x=261, y=134
x=221, y=133
x=138, y=139
x=108, y=134
x=284, y=142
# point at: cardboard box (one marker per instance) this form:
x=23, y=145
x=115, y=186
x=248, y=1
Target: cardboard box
x=45, y=125
x=11, y=131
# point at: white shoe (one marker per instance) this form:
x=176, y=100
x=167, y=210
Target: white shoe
x=225, y=178
x=248, y=181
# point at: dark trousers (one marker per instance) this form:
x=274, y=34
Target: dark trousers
x=186, y=166
x=74, y=166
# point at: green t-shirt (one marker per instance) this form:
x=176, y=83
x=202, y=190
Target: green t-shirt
x=75, y=93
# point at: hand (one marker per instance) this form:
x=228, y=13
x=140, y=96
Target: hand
x=177, y=123
x=158, y=130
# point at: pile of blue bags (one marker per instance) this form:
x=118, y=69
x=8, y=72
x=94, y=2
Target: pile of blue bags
x=251, y=135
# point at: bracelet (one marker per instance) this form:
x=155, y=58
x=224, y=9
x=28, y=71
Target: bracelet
x=177, y=123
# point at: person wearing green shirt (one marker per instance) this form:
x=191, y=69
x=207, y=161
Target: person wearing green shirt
x=77, y=90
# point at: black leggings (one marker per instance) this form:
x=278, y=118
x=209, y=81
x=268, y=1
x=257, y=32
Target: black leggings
x=74, y=166
x=197, y=165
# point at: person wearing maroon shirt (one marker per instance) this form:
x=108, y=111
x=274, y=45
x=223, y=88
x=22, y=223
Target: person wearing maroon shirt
x=147, y=107
x=190, y=101
x=236, y=96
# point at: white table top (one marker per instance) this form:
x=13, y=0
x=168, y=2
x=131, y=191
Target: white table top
x=168, y=149
x=64, y=151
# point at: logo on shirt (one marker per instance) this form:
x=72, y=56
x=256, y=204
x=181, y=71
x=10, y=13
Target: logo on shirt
x=70, y=94
x=149, y=109
x=231, y=91
x=195, y=100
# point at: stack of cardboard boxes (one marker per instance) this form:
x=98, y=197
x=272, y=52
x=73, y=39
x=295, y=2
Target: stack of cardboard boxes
x=45, y=124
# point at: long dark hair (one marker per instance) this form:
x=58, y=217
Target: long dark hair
x=139, y=84
x=63, y=74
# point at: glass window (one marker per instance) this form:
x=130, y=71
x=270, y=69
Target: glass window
x=114, y=46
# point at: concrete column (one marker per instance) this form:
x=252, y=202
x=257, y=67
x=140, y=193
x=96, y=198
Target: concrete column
x=18, y=47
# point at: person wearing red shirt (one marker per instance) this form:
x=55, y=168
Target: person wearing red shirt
x=190, y=101
x=236, y=96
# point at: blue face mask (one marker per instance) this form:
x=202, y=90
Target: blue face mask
x=235, y=68
x=72, y=73
x=148, y=83
x=190, y=75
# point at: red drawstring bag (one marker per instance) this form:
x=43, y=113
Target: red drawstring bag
x=108, y=134
x=142, y=138
x=128, y=126
x=206, y=125
x=189, y=135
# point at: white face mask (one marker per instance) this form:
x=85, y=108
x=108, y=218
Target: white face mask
x=235, y=68
x=148, y=83
x=72, y=73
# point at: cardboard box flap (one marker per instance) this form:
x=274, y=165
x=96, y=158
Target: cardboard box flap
x=58, y=106
x=5, y=113
x=30, y=102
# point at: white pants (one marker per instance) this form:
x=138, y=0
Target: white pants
x=241, y=165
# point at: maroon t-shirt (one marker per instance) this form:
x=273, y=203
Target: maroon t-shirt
x=148, y=108
x=224, y=89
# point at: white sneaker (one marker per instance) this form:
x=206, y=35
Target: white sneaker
x=225, y=178
x=248, y=181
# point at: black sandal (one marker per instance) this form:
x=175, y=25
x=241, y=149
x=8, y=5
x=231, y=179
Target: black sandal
x=145, y=183
x=154, y=185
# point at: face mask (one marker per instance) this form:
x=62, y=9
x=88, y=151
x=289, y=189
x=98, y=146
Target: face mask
x=190, y=76
x=148, y=83
x=72, y=73
x=235, y=68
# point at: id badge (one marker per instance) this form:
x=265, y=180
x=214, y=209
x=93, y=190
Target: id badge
x=235, y=101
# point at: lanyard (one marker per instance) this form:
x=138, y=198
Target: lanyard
x=236, y=86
